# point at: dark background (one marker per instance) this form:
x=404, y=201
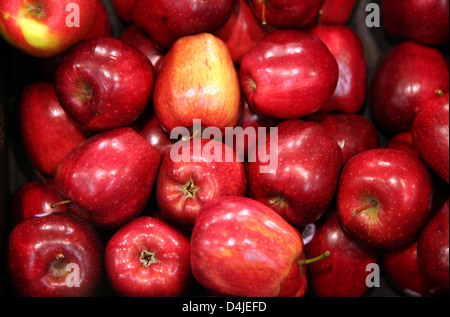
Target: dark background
x=18, y=70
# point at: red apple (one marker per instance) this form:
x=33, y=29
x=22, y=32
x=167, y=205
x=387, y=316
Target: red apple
x=138, y=38
x=430, y=134
x=288, y=74
x=405, y=81
x=303, y=184
x=242, y=31
x=35, y=197
x=348, y=50
x=183, y=188
x=404, y=272
x=124, y=9
x=48, y=133
x=352, y=132
x=109, y=177
x=197, y=80
x=433, y=249
x=104, y=83
x=384, y=197
x=336, y=11
x=343, y=273
x=165, y=21
x=45, y=28
x=55, y=255
x=426, y=22
x=148, y=258
x=240, y=247
x=148, y=126
x=287, y=14
x=102, y=24
x=403, y=141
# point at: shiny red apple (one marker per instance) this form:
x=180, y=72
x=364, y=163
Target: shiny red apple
x=46, y=28
x=108, y=178
x=47, y=132
x=165, y=21
x=346, y=46
x=433, y=249
x=336, y=11
x=426, y=22
x=430, y=134
x=405, y=81
x=104, y=83
x=402, y=141
x=343, y=273
x=288, y=74
x=302, y=185
x=242, y=31
x=124, y=9
x=102, y=24
x=55, y=255
x=138, y=38
x=148, y=258
x=33, y=198
x=240, y=247
x=287, y=14
x=384, y=197
x=184, y=187
x=353, y=133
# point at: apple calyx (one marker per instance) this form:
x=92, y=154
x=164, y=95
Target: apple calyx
x=279, y=201
x=317, y=258
x=85, y=92
x=58, y=266
x=440, y=93
x=35, y=9
x=372, y=204
x=190, y=189
x=148, y=258
x=63, y=202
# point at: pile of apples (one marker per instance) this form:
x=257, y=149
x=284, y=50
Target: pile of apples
x=113, y=206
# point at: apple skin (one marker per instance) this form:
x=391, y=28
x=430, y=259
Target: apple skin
x=403, y=141
x=34, y=248
x=102, y=24
x=287, y=14
x=401, y=186
x=33, y=198
x=47, y=132
x=128, y=269
x=20, y=20
x=288, y=74
x=403, y=271
x=104, y=83
x=343, y=273
x=109, y=177
x=405, y=81
x=197, y=80
x=183, y=188
x=242, y=31
x=352, y=132
x=348, y=50
x=124, y=9
x=336, y=11
x=138, y=38
x=166, y=21
x=148, y=126
x=240, y=247
x=433, y=249
x=426, y=22
x=430, y=134
x=301, y=189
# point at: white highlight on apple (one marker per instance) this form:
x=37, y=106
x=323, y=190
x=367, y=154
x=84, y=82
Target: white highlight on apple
x=232, y=153
x=73, y=18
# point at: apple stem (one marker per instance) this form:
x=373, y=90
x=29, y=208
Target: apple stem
x=317, y=258
x=373, y=203
x=64, y=202
x=263, y=16
x=440, y=93
x=41, y=177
